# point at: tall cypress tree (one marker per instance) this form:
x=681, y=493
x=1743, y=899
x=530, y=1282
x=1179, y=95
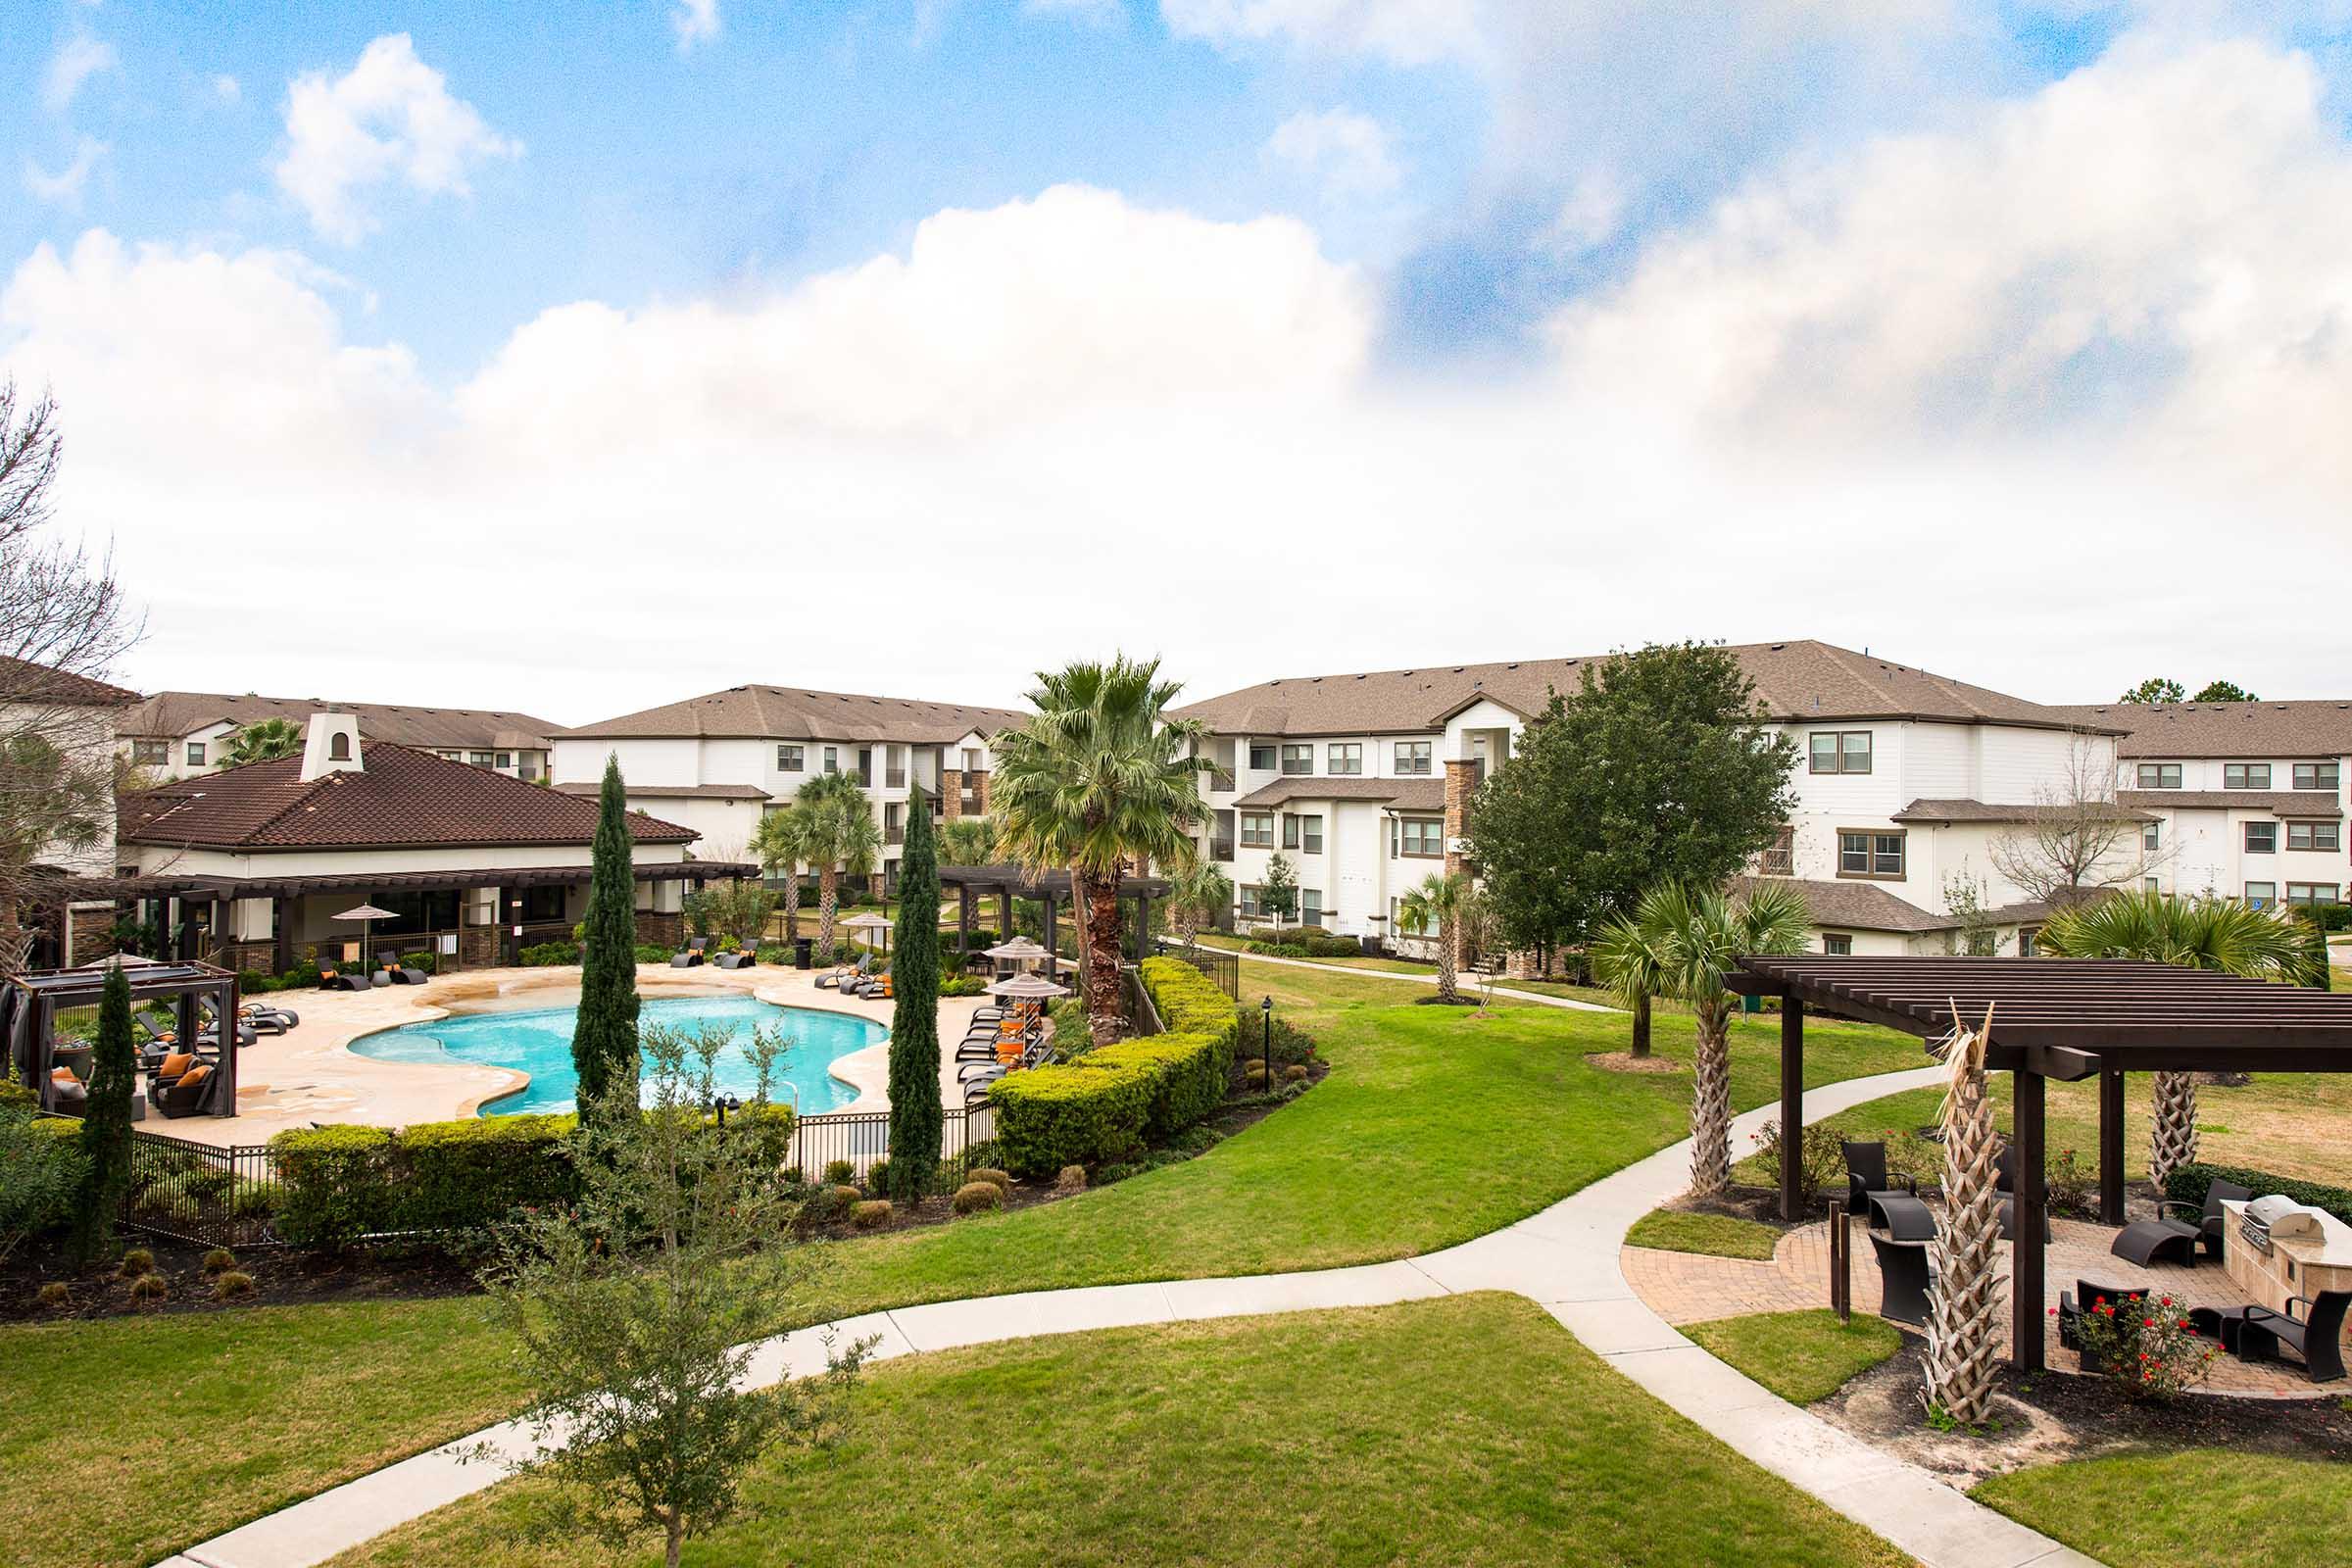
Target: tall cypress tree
x=915, y=1116
x=106, y=1118
x=604, y=1039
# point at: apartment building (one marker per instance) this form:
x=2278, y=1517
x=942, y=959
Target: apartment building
x=2244, y=800
x=718, y=762
x=177, y=735
x=1904, y=781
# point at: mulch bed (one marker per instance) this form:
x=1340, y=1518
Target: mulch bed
x=1627, y=1061
x=281, y=1276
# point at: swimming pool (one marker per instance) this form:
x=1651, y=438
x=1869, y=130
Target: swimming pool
x=539, y=1042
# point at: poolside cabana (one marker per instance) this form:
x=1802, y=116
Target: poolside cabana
x=2062, y=1019
x=30, y=1004
x=1050, y=888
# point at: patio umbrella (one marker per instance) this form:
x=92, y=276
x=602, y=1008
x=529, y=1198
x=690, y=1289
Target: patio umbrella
x=365, y=914
x=869, y=924
x=1027, y=988
x=1021, y=950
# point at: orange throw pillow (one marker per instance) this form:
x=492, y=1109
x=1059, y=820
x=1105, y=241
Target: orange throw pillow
x=174, y=1064
x=195, y=1076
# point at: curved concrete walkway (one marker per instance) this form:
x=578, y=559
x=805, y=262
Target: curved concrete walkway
x=1468, y=984
x=1565, y=1258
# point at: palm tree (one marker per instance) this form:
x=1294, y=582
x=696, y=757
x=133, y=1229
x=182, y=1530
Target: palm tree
x=1441, y=897
x=264, y=740
x=780, y=844
x=1627, y=960
x=842, y=837
x=1687, y=939
x=1964, y=1310
x=1100, y=775
x=2207, y=933
x=1197, y=893
x=966, y=841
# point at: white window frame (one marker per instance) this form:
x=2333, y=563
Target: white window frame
x=1412, y=758
x=1344, y=759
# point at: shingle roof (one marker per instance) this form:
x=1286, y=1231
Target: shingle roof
x=1797, y=681
x=2281, y=802
x=1855, y=905
x=2319, y=727
x=169, y=716
x=676, y=792
x=402, y=798
x=1959, y=811
x=791, y=712
x=23, y=681
x=1408, y=794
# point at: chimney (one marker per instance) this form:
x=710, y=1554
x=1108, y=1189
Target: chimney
x=332, y=746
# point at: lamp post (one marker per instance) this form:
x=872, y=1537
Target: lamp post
x=1265, y=1037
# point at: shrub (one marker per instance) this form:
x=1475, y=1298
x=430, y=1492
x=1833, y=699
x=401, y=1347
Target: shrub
x=1071, y=1180
x=824, y=1206
x=1254, y=1074
x=1820, y=1160
x=230, y=1283
x=974, y=1198
x=1199, y=1140
x=148, y=1288
x=877, y=1177
x=41, y=1176
x=1296, y=1072
x=135, y=1262
x=55, y=1294
x=653, y=952
x=15, y=1095
x=467, y=1175
x=962, y=985
x=870, y=1215
x=2068, y=1185
x=2188, y=1183
x=335, y=1184
x=989, y=1173
x=1117, y=1172
x=220, y=1260
x=545, y=954
x=840, y=1173
x=2145, y=1346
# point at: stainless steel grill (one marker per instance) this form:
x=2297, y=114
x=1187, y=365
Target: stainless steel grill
x=2276, y=1219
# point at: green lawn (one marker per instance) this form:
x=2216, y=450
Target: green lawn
x=1225, y=943
x=2190, y=1508
x=1471, y=1430
x=1671, y=1230
x=1435, y=1126
x=1801, y=1356
x=2291, y=1124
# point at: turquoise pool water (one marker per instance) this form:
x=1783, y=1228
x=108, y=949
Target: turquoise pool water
x=539, y=1042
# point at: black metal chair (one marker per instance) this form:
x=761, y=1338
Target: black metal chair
x=1866, y=1180
x=2318, y=1336
x=2085, y=1297
x=691, y=956
x=2209, y=1215
x=2009, y=1222
x=1903, y=1278
x=2144, y=1241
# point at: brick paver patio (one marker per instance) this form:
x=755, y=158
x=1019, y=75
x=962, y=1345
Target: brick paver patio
x=1688, y=1287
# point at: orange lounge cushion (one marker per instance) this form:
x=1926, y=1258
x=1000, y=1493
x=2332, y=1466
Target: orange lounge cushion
x=195, y=1076
x=174, y=1064
x=64, y=1075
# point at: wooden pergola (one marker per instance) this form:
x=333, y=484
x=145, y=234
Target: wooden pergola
x=1050, y=888
x=2062, y=1019
x=30, y=1004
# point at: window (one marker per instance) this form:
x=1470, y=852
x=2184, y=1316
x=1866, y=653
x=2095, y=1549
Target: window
x=789, y=759
x=1261, y=757
x=1870, y=853
x=479, y=758
x=150, y=754
x=1422, y=836
x=1250, y=900
x=2315, y=836
x=506, y=759
x=1780, y=858
x=2151, y=835
x=1405, y=925
x=832, y=759
x=195, y=753
x=1840, y=750
x=2028, y=942
x=2317, y=776
x=2245, y=775
x=1310, y=905
x=971, y=760
x=2262, y=838
x=2261, y=894
x=2160, y=775
x=1837, y=944
x=338, y=748
x=1303, y=833
x=1298, y=758
x=1345, y=759
x=1413, y=757
x=2311, y=892
x=2151, y=884
x=1258, y=829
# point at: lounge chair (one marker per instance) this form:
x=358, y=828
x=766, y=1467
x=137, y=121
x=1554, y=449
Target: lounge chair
x=692, y=956
x=740, y=958
x=1867, y=1182
x=2142, y=1242
x=2085, y=1297
x=1904, y=1279
x=841, y=974
x=400, y=974
x=2209, y=1215
x=268, y=1020
x=2316, y=1337
x=335, y=979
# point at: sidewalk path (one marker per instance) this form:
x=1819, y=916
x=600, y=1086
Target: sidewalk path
x=1565, y=1258
x=1469, y=983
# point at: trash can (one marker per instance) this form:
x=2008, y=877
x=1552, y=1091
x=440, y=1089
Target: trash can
x=803, y=952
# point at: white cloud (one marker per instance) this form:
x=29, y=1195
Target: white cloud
x=1590, y=215
x=64, y=186
x=390, y=116
x=226, y=89
x=79, y=58
x=1345, y=151
x=695, y=22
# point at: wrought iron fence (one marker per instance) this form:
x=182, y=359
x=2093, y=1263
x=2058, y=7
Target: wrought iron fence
x=206, y=1195
x=1223, y=967
x=861, y=1137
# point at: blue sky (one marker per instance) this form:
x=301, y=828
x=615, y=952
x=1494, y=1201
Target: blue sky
x=1413, y=329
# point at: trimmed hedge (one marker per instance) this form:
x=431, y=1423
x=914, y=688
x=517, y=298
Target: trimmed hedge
x=2187, y=1184
x=1117, y=1098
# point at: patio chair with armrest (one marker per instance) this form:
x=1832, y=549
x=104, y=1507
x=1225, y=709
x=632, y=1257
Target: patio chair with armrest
x=190, y=1094
x=2209, y=1215
x=2318, y=1336
x=1867, y=1181
x=2085, y=1297
x=1904, y=1279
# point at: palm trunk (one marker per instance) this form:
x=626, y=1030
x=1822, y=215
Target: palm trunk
x=828, y=902
x=1099, y=957
x=1641, y=1025
x=1964, y=1307
x=792, y=903
x=2175, y=1140
x=1446, y=960
x=1711, y=1105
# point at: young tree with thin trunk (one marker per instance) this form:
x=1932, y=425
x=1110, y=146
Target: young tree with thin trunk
x=916, y=1114
x=1964, y=1310
x=106, y=1119
x=1440, y=897
x=604, y=1035
x=2077, y=840
x=1101, y=775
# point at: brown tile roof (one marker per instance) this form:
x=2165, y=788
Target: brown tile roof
x=2283, y=802
x=169, y=716
x=791, y=712
x=1958, y=812
x=1856, y=905
x=1797, y=681
x=2321, y=727
x=676, y=792
x=23, y=681
x=1408, y=794
x=402, y=799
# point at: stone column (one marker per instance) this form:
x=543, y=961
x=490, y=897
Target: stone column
x=980, y=792
x=951, y=791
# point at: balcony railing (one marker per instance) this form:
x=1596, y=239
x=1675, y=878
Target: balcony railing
x=1221, y=780
x=970, y=805
x=894, y=835
x=895, y=779
x=1220, y=848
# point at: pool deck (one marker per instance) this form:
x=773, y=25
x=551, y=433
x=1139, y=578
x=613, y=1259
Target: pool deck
x=310, y=1075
